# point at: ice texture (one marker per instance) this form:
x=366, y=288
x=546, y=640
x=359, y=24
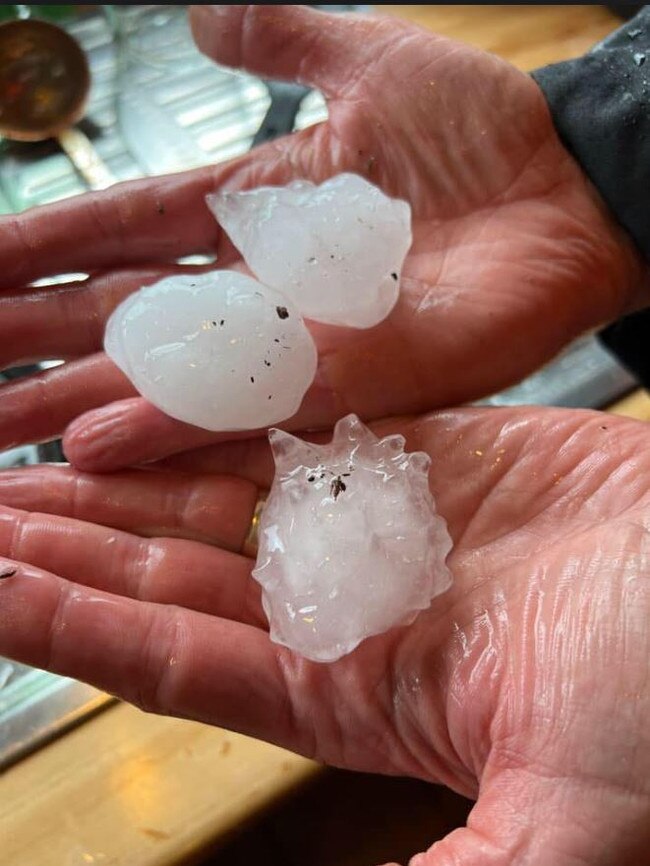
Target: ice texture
x=217, y=350
x=6, y=671
x=336, y=250
x=350, y=543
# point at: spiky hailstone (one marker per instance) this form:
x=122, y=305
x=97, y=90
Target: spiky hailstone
x=350, y=543
x=217, y=350
x=336, y=250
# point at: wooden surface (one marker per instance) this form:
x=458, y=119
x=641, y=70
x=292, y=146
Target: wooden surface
x=528, y=36
x=127, y=789
x=348, y=819
x=637, y=405
x=137, y=790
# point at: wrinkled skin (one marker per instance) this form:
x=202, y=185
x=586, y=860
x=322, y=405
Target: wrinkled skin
x=526, y=684
x=513, y=255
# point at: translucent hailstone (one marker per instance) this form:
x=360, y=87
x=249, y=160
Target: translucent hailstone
x=336, y=250
x=350, y=543
x=217, y=350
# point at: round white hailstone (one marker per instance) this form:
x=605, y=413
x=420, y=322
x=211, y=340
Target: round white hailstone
x=350, y=542
x=216, y=350
x=336, y=249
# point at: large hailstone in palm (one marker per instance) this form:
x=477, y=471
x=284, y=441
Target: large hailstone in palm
x=336, y=250
x=350, y=543
x=214, y=351
x=218, y=350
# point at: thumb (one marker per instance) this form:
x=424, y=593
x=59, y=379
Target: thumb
x=325, y=50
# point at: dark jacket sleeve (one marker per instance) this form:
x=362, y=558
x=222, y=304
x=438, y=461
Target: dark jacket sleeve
x=600, y=104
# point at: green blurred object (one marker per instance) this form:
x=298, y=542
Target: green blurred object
x=54, y=12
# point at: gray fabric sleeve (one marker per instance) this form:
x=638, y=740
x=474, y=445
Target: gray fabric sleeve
x=600, y=104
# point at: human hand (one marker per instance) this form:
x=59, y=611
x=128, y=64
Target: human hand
x=526, y=684
x=513, y=254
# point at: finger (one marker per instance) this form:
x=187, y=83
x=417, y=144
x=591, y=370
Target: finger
x=163, y=659
x=162, y=570
x=132, y=432
x=215, y=509
x=291, y=42
x=98, y=441
x=253, y=460
x=66, y=320
x=157, y=219
x=153, y=220
x=38, y=408
x=555, y=451
x=95, y=442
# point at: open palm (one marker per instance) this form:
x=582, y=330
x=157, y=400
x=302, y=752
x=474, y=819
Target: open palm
x=525, y=685
x=513, y=253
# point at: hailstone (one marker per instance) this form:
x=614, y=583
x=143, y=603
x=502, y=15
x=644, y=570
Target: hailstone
x=217, y=350
x=336, y=250
x=350, y=543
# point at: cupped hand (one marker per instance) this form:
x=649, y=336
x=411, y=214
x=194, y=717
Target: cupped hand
x=526, y=685
x=513, y=254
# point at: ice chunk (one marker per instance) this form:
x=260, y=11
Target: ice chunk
x=336, y=249
x=217, y=350
x=350, y=543
x=6, y=671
